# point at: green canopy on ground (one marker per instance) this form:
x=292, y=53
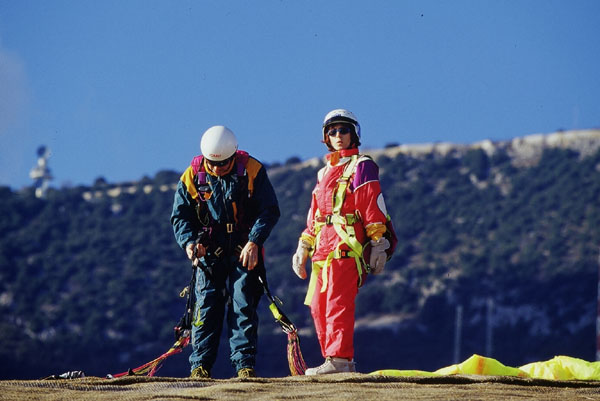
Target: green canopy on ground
x=557, y=368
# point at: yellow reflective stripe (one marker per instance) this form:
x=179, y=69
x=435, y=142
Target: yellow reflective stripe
x=339, y=196
x=308, y=238
x=376, y=230
x=275, y=311
x=318, y=226
x=355, y=246
x=340, y=193
x=351, y=241
x=312, y=284
x=324, y=279
x=351, y=219
x=337, y=219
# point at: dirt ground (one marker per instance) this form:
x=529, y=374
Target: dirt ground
x=331, y=387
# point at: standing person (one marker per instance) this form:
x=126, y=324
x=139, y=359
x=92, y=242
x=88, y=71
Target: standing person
x=224, y=210
x=348, y=235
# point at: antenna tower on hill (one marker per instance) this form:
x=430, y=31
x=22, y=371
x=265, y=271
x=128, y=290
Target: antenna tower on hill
x=40, y=173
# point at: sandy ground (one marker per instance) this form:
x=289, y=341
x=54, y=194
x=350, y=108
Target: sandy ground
x=330, y=387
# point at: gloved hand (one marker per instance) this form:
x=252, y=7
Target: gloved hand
x=299, y=259
x=378, y=256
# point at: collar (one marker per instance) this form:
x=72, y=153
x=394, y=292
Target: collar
x=334, y=158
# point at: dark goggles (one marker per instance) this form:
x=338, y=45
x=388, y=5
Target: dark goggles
x=341, y=130
x=221, y=163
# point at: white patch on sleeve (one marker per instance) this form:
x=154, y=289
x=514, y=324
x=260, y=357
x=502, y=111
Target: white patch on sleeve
x=381, y=204
x=321, y=173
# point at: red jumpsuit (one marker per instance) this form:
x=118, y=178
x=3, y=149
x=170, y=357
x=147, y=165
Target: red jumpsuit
x=332, y=304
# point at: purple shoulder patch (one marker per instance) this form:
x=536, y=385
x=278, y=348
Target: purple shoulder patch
x=196, y=163
x=366, y=171
x=241, y=157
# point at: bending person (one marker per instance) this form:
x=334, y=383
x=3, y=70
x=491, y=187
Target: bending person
x=224, y=210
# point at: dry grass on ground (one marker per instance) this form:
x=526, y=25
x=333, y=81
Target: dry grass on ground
x=331, y=387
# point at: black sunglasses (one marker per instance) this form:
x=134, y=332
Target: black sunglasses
x=221, y=163
x=342, y=131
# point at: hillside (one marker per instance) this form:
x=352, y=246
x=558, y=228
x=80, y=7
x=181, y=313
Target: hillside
x=505, y=233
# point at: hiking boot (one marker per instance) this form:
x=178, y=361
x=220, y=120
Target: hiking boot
x=332, y=365
x=246, y=372
x=200, y=373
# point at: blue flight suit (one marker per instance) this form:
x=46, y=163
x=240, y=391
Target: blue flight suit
x=224, y=213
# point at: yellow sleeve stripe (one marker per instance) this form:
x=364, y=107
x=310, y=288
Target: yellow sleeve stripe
x=308, y=238
x=187, y=178
x=376, y=230
x=252, y=169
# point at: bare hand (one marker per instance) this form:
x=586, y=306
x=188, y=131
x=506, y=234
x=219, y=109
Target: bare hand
x=249, y=255
x=194, y=251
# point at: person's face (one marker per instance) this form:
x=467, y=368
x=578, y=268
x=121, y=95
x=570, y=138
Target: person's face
x=220, y=168
x=339, y=136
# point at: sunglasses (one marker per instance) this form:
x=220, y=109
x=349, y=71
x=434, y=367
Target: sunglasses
x=221, y=163
x=342, y=131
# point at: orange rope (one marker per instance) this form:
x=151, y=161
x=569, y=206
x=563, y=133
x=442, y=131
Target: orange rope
x=154, y=365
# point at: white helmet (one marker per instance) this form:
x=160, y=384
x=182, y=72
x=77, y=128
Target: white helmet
x=218, y=143
x=340, y=116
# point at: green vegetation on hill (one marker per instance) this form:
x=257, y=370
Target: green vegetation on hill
x=92, y=284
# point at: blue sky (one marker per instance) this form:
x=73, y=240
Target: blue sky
x=123, y=89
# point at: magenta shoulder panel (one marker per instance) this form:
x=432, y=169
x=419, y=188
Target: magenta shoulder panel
x=367, y=170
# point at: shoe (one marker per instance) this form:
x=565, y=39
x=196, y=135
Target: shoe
x=200, y=373
x=246, y=372
x=332, y=365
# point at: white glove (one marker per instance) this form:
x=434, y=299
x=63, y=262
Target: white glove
x=378, y=256
x=299, y=259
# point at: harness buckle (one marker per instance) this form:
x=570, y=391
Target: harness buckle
x=229, y=228
x=328, y=219
x=342, y=253
x=218, y=252
x=351, y=219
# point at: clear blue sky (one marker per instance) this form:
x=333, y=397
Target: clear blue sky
x=123, y=89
